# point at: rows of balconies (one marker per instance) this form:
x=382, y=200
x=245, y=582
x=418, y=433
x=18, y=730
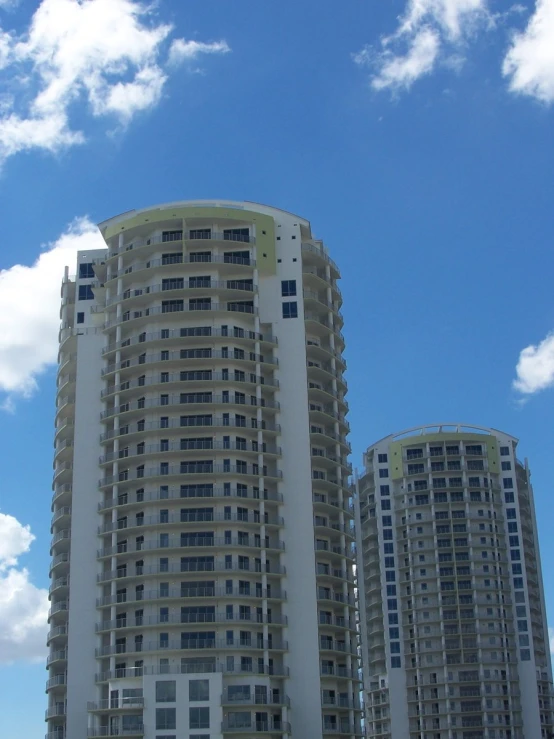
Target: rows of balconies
x=200, y=644
x=178, y=285
x=139, y=317
x=123, y=623
x=176, y=356
x=196, y=377
x=192, y=494
x=178, y=518
x=205, y=334
x=191, y=400
x=192, y=470
x=193, y=261
x=248, y=447
x=172, y=425
x=202, y=543
x=210, y=665
x=201, y=236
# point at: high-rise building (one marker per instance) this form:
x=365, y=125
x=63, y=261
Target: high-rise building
x=202, y=550
x=454, y=634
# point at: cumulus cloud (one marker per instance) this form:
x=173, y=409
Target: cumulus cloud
x=23, y=606
x=535, y=367
x=108, y=54
x=428, y=32
x=529, y=63
x=29, y=328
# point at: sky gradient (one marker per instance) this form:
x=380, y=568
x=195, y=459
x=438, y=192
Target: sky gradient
x=415, y=136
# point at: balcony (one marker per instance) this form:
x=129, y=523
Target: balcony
x=140, y=317
x=113, y=704
x=114, y=731
x=255, y=727
x=192, y=593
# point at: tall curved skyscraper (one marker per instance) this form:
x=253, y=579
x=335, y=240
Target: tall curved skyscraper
x=202, y=551
x=454, y=634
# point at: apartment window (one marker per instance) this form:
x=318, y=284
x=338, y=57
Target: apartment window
x=509, y=497
x=507, y=482
x=85, y=292
x=382, y=458
x=199, y=718
x=199, y=690
x=166, y=691
x=383, y=472
x=290, y=309
x=288, y=288
x=510, y=513
x=166, y=718
x=385, y=489
x=388, y=548
x=86, y=271
x=504, y=451
x=395, y=662
x=395, y=647
x=386, y=505
x=80, y=317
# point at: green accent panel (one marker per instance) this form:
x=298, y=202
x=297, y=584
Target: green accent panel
x=265, y=227
x=395, y=449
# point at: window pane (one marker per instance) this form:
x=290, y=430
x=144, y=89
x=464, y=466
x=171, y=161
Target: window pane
x=166, y=691
x=199, y=690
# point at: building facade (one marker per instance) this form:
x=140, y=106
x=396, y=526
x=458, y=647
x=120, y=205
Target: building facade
x=454, y=633
x=202, y=550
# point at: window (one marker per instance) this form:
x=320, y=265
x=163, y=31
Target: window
x=166, y=718
x=199, y=690
x=504, y=451
x=382, y=458
x=385, y=489
x=383, y=472
x=80, y=317
x=288, y=288
x=506, y=466
x=85, y=270
x=385, y=505
x=85, y=292
x=199, y=718
x=166, y=691
x=290, y=310
x=507, y=482
x=395, y=662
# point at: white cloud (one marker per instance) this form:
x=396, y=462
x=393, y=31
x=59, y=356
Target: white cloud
x=181, y=49
x=402, y=71
x=23, y=606
x=109, y=54
x=428, y=33
x=535, y=367
x=29, y=328
x=529, y=62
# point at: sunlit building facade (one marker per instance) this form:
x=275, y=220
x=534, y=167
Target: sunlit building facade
x=202, y=550
x=454, y=633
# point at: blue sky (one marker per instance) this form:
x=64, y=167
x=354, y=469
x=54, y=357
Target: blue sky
x=416, y=137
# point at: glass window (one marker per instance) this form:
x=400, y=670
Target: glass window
x=85, y=270
x=288, y=288
x=199, y=690
x=395, y=662
x=383, y=472
x=504, y=451
x=80, y=317
x=382, y=458
x=166, y=718
x=385, y=490
x=507, y=482
x=506, y=466
x=290, y=309
x=199, y=718
x=166, y=691
x=85, y=292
